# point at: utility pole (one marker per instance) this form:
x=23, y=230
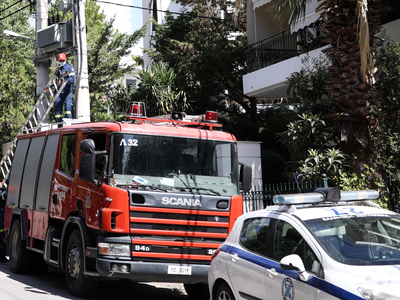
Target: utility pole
x=42, y=67
x=82, y=99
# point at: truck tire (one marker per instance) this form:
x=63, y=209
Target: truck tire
x=21, y=259
x=78, y=284
x=197, y=291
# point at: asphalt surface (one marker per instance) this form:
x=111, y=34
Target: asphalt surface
x=53, y=285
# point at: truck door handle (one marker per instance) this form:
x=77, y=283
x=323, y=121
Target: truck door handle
x=234, y=257
x=272, y=272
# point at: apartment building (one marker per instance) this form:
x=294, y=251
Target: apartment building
x=274, y=53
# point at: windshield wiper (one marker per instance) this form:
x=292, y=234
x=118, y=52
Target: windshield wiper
x=136, y=185
x=152, y=187
x=198, y=189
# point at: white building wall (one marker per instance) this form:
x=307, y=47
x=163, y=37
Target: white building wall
x=250, y=154
x=271, y=81
x=393, y=30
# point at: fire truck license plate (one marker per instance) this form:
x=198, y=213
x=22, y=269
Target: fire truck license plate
x=179, y=270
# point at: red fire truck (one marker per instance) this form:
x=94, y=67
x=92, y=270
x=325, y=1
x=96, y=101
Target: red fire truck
x=148, y=199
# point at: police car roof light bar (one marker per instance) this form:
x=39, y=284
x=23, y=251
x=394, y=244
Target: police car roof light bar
x=359, y=195
x=326, y=195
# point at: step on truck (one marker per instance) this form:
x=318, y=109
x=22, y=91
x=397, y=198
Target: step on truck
x=147, y=199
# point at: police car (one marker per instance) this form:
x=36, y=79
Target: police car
x=322, y=245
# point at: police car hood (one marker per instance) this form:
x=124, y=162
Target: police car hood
x=384, y=279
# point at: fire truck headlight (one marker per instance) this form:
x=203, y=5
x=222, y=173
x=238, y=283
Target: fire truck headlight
x=114, y=249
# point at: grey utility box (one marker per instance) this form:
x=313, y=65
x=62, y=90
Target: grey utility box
x=55, y=37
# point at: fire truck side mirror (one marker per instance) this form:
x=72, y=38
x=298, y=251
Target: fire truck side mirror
x=87, y=167
x=245, y=177
x=88, y=146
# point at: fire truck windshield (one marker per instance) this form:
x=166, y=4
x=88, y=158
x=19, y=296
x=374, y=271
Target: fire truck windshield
x=174, y=163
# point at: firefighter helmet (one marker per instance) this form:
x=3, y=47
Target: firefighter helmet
x=62, y=56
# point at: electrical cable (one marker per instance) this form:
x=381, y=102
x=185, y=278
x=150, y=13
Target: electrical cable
x=10, y=6
x=166, y=11
x=15, y=12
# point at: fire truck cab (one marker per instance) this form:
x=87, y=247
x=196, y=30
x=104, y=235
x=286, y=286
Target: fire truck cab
x=146, y=200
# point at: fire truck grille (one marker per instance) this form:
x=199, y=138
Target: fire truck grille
x=179, y=227
x=172, y=216
x=176, y=235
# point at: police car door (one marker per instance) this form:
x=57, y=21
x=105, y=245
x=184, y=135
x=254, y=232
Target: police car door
x=286, y=284
x=246, y=262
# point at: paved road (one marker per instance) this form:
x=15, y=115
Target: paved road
x=52, y=286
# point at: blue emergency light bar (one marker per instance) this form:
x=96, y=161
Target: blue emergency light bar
x=325, y=195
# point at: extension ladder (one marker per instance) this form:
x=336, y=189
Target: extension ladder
x=33, y=122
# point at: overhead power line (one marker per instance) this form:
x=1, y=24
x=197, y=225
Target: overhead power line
x=15, y=12
x=167, y=11
x=10, y=6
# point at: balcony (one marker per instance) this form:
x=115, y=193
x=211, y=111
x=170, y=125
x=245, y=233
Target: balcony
x=272, y=60
x=282, y=46
x=285, y=45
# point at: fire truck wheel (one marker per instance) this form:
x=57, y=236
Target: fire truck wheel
x=197, y=291
x=21, y=259
x=79, y=285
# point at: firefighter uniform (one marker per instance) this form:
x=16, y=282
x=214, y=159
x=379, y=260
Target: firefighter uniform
x=3, y=196
x=67, y=72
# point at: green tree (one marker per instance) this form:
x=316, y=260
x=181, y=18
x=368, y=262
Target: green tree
x=386, y=120
x=206, y=53
x=17, y=76
x=331, y=162
x=310, y=85
x=308, y=132
x=158, y=89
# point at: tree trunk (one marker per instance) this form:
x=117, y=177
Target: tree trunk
x=348, y=85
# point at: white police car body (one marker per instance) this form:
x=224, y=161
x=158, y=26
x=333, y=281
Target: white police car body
x=311, y=246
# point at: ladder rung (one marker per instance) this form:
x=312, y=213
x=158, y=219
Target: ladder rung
x=34, y=119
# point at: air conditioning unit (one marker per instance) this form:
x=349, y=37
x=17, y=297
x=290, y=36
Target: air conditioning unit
x=56, y=37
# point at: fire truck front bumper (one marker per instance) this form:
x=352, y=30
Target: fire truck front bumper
x=152, y=272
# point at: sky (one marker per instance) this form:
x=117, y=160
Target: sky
x=127, y=19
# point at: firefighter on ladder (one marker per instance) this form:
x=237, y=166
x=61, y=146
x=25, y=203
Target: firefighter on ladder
x=65, y=71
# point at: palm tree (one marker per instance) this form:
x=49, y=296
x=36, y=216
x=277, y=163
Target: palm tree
x=157, y=88
x=350, y=27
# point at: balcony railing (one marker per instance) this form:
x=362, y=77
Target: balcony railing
x=282, y=46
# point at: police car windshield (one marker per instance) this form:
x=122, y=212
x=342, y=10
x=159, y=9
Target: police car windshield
x=175, y=164
x=362, y=239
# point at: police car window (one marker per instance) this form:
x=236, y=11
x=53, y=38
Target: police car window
x=254, y=234
x=67, y=157
x=289, y=241
x=361, y=239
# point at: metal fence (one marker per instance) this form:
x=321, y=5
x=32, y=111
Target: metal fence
x=255, y=200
